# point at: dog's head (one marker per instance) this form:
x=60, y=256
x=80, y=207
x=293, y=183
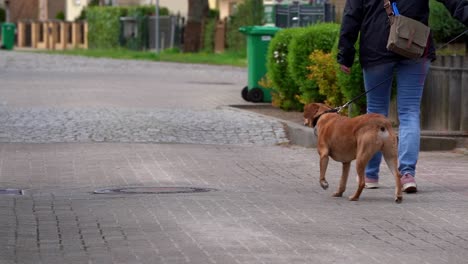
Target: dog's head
x=313, y=110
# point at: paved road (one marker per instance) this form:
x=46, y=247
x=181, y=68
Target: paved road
x=47, y=98
x=71, y=126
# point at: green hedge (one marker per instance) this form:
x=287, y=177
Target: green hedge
x=104, y=24
x=351, y=85
x=316, y=37
x=443, y=26
x=209, y=31
x=284, y=88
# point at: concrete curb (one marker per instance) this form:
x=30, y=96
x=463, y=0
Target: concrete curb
x=300, y=135
x=305, y=137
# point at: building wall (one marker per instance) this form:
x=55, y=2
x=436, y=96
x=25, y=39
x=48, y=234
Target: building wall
x=23, y=9
x=129, y=2
x=73, y=9
x=54, y=7
x=227, y=7
x=213, y=4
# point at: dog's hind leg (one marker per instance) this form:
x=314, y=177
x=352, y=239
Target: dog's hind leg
x=360, y=167
x=389, y=153
x=364, y=154
x=323, y=169
x=343, y=180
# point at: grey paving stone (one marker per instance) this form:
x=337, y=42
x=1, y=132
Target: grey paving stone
x=58, y=115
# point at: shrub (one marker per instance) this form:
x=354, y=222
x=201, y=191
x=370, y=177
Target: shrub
x=284, y=89
x=323, y=73
x=315, y=37
x=104, y=25
x=351, y=85
x=60, y=16
x=2, y=15
x=443, y=26
x=209, y=31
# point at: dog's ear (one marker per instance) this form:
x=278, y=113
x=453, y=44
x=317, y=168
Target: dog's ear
x=310, y=110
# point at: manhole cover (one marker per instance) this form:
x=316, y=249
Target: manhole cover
x=11, y=191
x=152, y=190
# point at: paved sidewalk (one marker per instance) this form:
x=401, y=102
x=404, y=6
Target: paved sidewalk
x=264, y=203
x=267, y=207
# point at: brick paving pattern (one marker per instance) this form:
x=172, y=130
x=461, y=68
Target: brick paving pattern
x=266, y=205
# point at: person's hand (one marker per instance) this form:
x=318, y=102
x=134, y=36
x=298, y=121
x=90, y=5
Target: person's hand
x=345, y=69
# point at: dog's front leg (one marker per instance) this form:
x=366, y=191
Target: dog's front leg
x=323, y=170
x=344, y=180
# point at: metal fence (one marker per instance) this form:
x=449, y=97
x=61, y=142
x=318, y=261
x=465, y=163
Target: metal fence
x=139, y=33
x=297, y=15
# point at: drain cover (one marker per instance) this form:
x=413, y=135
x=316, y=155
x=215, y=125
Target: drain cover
x=152, y=190
x=11, y=191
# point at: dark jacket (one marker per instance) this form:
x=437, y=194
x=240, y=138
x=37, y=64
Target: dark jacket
x=370, y=19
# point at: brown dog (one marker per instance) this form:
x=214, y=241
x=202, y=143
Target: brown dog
x=346, y=139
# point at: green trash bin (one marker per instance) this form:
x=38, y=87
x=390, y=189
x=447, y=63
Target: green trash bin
x=8, y=35
x=258, y=39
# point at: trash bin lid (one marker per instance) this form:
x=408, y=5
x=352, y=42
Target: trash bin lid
x=259, y=30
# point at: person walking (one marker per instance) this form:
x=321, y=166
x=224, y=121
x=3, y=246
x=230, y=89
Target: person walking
x=369, y=20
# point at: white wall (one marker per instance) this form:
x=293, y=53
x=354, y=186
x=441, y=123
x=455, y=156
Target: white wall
x=73, y=8
x=173, y=5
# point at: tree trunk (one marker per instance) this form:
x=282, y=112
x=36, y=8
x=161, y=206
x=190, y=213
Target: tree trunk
x=197, y=12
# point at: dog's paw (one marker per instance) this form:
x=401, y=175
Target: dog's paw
x=324, y=184
x=398, y=199
x=353, y=198
x=337, y=194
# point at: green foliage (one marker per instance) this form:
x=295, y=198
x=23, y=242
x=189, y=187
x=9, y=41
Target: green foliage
x=209, y=35
x=249, y=13
x=351, y=85
x=2, y=15
x=93, y=3
x=171, y=55
x=443, y=26
x=284, y=88
x=323, y=72
x=60, y=16
x=104, y=25
x=316, y=37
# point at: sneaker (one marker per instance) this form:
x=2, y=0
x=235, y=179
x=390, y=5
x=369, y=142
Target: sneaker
x=370, y=183
x=408, y=183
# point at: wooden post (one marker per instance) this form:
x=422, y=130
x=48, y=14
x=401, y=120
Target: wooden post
x=464, y=96
x=21, y=34
x=34, y=34
x=85, y=35
x=62, y=44
x=74, y=38
x=455, y=92
x=52, y=34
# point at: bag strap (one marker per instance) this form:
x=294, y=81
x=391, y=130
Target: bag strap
x=389, y=10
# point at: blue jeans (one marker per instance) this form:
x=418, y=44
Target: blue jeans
x=410, y=77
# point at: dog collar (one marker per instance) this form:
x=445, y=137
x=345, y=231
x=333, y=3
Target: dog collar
x=316, y=119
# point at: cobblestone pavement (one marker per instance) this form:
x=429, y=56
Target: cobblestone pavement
x=265, y=203
x=50, y=98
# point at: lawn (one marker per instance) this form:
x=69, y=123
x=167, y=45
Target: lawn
x=232, y=59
